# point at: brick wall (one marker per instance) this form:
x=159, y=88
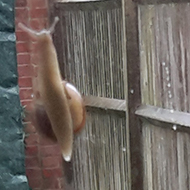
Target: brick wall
x=43, y=158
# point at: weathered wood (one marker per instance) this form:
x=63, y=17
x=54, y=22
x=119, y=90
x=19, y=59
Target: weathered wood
x=99, y=158
x=130, y=11
x=165, y=55
x=154, y=2
x=88, y=5
x=164, y=58
x=164, y=115
x=126, y=91
x=92, y=51
x=92, y=59
x=105, y=103
x=56, y=38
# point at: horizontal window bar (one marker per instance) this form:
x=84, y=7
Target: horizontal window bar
x=164, y=115
x=154, y=2
x=88, y=5
x=105, y=103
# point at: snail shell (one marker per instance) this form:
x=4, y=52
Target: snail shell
x=77, y=109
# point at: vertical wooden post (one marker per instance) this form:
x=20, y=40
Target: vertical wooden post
x=132, y=84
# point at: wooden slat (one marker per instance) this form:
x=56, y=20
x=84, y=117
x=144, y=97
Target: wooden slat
x=88, y=5
x=164, y=59
x=125, y=71
x=164, y=115
x=100, y=155
x=154, y=2
x=91, y=52
x=130, y=11
x=92, y=60
x=105, y=103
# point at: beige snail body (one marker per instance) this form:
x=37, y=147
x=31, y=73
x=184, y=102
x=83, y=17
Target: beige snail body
x=58, y=108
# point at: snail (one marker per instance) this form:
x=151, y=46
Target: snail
x=58, y=108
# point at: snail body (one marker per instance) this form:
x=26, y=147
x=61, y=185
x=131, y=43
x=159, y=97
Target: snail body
x=58, y=108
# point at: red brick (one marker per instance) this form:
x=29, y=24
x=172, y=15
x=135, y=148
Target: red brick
x=22, y=15
x=32, y=139
x=23, y=58
x=21, y=3
x=38, y=13
x=32, y=162
x=35, y=183
x=51, y=162
x=51, y=183
x=38, y=23
x=21, y=36
x=34, y=173
x=23, y=47
x=33, y=4
x=38, y=20
x=25, y=70
x=25, y=93
x=50, y=151
x=49, y=173
x=31, y=150
x=46, y=141
x=25, y=82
